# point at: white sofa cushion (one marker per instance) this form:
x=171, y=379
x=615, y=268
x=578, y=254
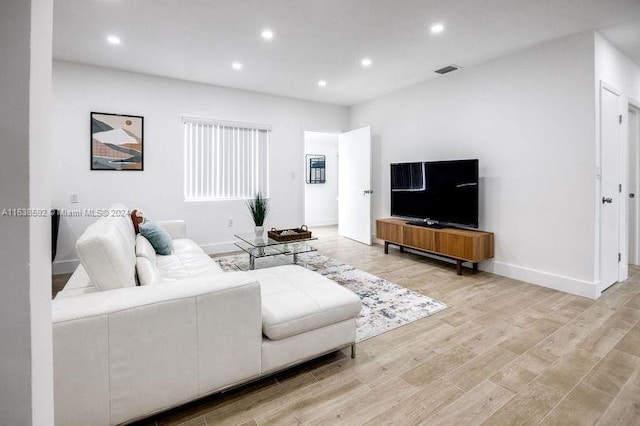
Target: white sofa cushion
x=148, y=273
x=107, y=252
x=187, y=260
x=296, y=300
x=145, y=249
x=185, y=245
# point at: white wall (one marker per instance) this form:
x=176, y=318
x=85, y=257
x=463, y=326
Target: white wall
x=528, y=117
x=40, y=172
x=26, y=368
x=612, y=67
x=321, y=200
x=79, y=89
x=616, y=69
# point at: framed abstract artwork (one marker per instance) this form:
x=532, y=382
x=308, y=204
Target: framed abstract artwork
x=117, y=142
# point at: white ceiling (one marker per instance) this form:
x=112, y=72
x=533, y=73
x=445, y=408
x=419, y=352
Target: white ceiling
x=197, y=40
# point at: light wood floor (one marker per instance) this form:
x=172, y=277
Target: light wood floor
x=505, y=352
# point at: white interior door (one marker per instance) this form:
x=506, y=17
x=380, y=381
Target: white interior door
x=610, y=192
x=634, y=164
x=354, y=185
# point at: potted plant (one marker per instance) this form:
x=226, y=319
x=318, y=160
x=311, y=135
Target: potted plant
x=259, y=207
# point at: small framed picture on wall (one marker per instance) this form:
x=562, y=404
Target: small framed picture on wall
x=117, y=142
x=316, y=168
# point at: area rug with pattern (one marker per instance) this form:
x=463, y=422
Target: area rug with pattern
x=385, y=305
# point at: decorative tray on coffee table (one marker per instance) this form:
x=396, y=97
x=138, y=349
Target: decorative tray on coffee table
x=292, y=234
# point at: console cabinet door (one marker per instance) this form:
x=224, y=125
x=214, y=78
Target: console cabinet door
x=422, y=238
x=387, y=231
x=458, y=246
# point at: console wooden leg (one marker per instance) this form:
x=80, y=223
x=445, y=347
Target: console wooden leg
x=401, y=249
x=353, y=350
x=459, y=267
x=386, y=247
x=475, y=266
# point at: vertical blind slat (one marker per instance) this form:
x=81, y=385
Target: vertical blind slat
x=189, y=162
x=186, y=156
x=218, y=162
x=205, y=160
x=198, y=159
x=187, y=181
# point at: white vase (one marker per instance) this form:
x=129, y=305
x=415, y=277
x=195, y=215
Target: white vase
x=259, y=231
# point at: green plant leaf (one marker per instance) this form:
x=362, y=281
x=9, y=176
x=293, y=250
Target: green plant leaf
x=259, y=207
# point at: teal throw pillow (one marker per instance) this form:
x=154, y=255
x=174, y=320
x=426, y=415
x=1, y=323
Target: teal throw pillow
x=158, y=237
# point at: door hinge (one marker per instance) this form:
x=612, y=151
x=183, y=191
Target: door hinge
x=619, y=257
x=619, y=187
x=620, y=119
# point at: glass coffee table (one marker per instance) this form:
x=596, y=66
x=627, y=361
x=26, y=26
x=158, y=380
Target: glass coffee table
x=257, y=246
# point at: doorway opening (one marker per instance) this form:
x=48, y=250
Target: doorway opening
x=321, y=178
x=611, y=213
x=338, y=182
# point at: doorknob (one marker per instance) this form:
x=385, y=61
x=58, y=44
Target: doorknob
x=607, y=200
x=368, y=191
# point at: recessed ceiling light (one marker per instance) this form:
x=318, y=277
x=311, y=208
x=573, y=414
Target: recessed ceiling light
x=113, y=39
x=366, y=62
x=236, y=66
x=267, y=34
x=437, y=29
x=322, y=83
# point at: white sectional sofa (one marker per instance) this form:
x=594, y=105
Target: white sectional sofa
x=124, y=351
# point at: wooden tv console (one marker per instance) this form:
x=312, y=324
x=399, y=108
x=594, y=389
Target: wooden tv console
x=462, y=245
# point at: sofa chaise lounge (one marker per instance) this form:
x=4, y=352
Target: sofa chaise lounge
x=137, y=333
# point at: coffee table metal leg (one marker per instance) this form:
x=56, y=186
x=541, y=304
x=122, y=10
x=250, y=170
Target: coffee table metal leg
x=295, y=258
x=252, y=262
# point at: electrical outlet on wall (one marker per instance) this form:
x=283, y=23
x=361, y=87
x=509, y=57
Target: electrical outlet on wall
x=230, y=223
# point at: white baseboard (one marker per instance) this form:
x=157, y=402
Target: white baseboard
x=64, y=266
x=544, y=279
x=324, y=222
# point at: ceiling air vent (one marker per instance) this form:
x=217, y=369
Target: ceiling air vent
x=447, y=69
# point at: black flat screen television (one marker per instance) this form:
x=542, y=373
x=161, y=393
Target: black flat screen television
x=444, y=192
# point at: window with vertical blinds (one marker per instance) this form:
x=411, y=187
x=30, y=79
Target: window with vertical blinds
x=225, y=160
